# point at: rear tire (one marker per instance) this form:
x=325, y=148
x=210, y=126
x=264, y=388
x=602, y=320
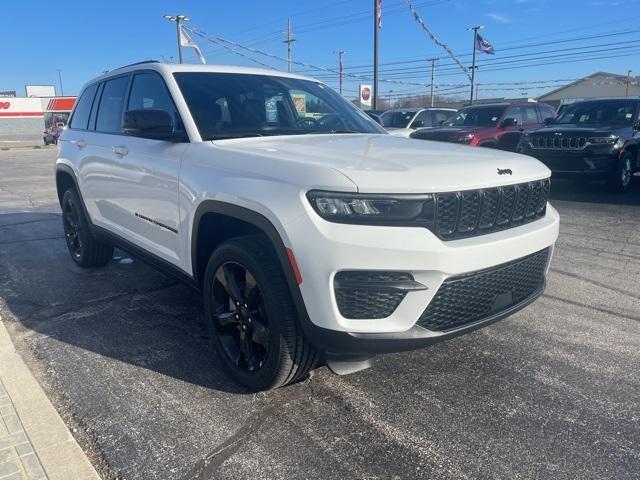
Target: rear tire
x=622, y=174
x=86, y=251
x=251, y=317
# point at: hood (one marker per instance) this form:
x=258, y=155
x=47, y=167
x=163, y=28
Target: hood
x=445, y=132
x=384, y=163
x=400, y=132
x=575, y=131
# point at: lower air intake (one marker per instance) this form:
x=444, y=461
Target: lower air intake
x=472, y=297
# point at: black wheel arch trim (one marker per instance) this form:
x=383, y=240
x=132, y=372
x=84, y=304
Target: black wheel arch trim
x=66, y=169
x=266, y=226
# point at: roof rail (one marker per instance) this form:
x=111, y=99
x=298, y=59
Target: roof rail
x=136, y=63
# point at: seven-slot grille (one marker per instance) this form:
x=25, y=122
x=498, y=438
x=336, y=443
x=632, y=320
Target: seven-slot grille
x=476, y=212
x=558, y=142
x=479, y=295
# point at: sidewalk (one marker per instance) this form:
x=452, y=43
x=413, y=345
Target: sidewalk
x=34, y=441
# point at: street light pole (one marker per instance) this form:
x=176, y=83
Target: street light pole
x=433, y=77
x=628, y=82
x=376, y=19
x=473, y=67
x=60, y=78
x=178, y=19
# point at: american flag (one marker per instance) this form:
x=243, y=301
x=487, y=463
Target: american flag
x=483, y=45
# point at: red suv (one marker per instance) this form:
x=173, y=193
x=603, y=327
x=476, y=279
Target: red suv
x=496, y=125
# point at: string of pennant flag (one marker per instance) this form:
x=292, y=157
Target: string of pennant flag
x=435, y=40
x=222, y=41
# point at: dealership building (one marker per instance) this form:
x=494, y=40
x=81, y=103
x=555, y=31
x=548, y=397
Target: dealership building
x=26, y=118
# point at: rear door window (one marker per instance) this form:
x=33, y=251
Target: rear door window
x=109, y=118
x=81, y=114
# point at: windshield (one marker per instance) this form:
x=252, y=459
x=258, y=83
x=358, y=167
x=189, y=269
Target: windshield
x=235, y=105
x=397, y=118
x=477, y=117
x=597, y=113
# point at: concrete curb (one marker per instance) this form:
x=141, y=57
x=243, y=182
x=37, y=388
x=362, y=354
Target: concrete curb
x=34, y=441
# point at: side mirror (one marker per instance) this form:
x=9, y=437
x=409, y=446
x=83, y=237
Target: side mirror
x=417, y=124
x=149, y=123
x=548, y=121
x=509, y=122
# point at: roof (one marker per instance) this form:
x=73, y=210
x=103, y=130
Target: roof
x=599, y=99
x=580, y=80
x=187, y=67
x=500, y=104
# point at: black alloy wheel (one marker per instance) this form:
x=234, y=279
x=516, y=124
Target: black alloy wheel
x=240, y=317
x=85, y=249
x=251, y=316
x=72, y=226
x=622, y=174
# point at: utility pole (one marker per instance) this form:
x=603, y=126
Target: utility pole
x=628, y=82
x=473, y=67
x=433, y=77
x=178, y=19
x=340, y=67
x=60, y=78
x=376, y=25
x=477, y=88
x=290, y=39
x=389, y=100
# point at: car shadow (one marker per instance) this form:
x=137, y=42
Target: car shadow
x=570, y=191
x=126, y=310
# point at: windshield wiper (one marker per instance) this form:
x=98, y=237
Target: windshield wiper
x=333, y=131
x=226, y=136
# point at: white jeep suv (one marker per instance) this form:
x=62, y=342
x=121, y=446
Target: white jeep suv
x=311, y=232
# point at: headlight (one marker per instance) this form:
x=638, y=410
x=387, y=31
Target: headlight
x=603, y=140
x=464, y=138
x=371, y=209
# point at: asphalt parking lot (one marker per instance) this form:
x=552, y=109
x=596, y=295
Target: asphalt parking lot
x=552, y=392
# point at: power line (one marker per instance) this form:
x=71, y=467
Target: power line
x=503, y=48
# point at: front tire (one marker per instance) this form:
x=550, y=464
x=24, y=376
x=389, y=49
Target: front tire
x=85, y=250
x=622, y=174
x=251, y=317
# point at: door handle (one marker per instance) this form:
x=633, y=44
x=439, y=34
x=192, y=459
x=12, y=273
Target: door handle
x=120, y=150
x=79, y=143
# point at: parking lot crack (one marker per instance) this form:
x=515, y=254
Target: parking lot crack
x=592, y=307
x=595, y=282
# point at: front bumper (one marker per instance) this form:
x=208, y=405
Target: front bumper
x=416, y=337
x=322, y=249
x=593, y=163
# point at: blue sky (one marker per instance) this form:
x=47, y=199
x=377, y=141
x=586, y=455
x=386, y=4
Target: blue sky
x=84, y=38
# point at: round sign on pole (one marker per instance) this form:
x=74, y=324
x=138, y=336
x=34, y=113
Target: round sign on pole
x=365, y=96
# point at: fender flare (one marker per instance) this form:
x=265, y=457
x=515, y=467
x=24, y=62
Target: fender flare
x=63, y=167
x=267, y=227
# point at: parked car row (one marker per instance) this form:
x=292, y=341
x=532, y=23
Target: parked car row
x=591, y=140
